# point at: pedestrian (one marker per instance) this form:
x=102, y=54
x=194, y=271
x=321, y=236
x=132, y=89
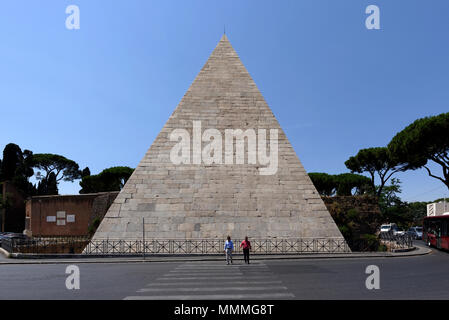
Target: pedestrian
x=228, y=248
x=246, y=245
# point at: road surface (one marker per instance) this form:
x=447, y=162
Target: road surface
x=418, y=277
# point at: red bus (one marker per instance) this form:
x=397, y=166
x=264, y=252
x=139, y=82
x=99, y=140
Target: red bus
x=436, y=231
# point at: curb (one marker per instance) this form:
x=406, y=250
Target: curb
x=38, y=259
x=404, y=250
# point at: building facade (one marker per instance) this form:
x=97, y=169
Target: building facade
x=437, y=208
x=65, y=215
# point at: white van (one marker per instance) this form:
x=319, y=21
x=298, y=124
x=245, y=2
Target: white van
x=389, y=227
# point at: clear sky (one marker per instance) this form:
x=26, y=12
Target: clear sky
x=100, y=95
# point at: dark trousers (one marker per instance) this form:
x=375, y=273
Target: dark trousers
x=246, y=255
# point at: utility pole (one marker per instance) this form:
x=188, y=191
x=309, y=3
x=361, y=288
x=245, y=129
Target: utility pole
x=143, y=237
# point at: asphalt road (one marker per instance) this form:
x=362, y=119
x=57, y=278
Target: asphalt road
x=419, y=277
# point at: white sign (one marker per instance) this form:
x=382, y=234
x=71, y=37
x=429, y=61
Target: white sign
x=70, y=218
x=60, y=214
x=60, y=223
x=51, y=218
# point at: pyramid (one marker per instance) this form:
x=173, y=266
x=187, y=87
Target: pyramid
x=211, y=200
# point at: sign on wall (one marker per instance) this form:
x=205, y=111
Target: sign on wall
x=61, y=218
x=60, y=214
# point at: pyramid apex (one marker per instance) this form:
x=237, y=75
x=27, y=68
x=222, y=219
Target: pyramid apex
x=224, y=37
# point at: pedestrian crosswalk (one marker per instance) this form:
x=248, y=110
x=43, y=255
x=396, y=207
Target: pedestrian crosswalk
x=215, y=281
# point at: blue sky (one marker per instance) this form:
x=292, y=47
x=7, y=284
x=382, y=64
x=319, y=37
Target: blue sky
x=100, y=95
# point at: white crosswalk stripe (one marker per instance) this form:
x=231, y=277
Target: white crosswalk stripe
x=211, y=281
x=207, y=284
x=216, y=297
x=215, y=289
x=212, y=277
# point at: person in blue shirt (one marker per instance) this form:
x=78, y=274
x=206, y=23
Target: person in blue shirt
x=228, y=248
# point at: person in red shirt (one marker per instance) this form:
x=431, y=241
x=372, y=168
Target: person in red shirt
x=246, y=245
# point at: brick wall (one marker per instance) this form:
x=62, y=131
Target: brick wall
x=67, y=215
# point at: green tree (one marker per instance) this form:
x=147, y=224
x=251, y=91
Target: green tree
x=85, y=172
x=111, y=179
x=48, y=186
x=375, y=161
x=16, y=167
x=63, y=168
x=416, y=211
x=15, y=162
x=324, y=183
x=423, y=140
x=347, y=182
x=12, y=159
x=344, y=184
x=397, y=211
x=389, y=196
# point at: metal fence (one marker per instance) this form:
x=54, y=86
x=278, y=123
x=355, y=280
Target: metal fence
x=67, y=245
x=87, y=246
x=215, y=246
x=396, y=241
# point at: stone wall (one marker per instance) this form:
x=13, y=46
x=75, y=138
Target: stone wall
x=100, y=206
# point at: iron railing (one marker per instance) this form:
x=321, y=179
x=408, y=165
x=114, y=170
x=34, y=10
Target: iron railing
x=67, y=245
x=39, y=245
x=396, y=241
x=215, y=246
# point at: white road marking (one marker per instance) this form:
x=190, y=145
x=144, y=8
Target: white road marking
x=159, y=284
x=213, y=289
x=200, y=274
x=254, y=281
x=249, y=296
x=224, y=267
x=213, y=278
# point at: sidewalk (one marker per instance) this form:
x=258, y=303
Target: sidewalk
x=6, y=258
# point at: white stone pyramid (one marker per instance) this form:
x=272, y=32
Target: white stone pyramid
x=211, y=201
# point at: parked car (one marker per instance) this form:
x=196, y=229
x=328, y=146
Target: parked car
x=15, y=236
x=389, y=227
x=415, y=232
x=2, y=235
x=12, y=235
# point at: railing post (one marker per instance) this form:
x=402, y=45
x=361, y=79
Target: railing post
x=143, y=237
